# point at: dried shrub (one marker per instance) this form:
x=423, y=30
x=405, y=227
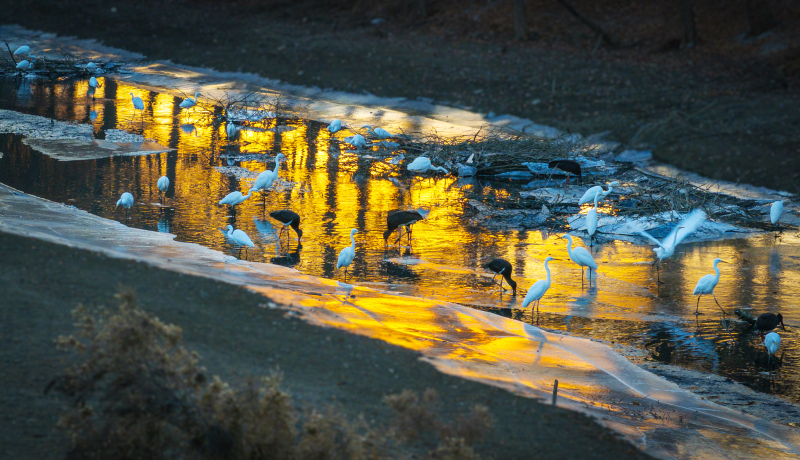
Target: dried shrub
x=137, y=392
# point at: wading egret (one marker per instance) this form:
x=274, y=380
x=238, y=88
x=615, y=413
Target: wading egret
x=163, y=186
x=581, y=257
x=666, y=247
x=396, y=219
x=423, y=164
x=22, y=50
x=706, y=286
x=126, y=201
x=230, y=130
x=588, y=197
x=335, y=126
x=378, y=133
x=591, y=221
x=568, y=166
x=348, y=254
x=772, y=342
x=538, y=289
x=137, y=105
x=266, y=178
x=356, y=141
x=287, y=219
x=235, y=198
x=239, y=238
x=93, y=82
x=775, y=211
x=503, y=268
x=767, y=322
x=188, y=103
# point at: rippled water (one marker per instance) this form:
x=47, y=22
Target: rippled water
x=334, y=190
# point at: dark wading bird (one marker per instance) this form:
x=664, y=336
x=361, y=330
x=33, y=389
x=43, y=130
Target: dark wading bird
x=288, y=218
x=504, y=268
x=767, y=322
x=568, y=166
x=396, y=219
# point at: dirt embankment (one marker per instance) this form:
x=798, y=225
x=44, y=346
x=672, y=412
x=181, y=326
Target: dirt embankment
x=40, y=283
x=724, y=108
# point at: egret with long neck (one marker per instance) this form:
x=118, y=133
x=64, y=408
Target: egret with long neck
x=706, y=286
x=348, y=254
x=581, y=257
x=538, y=289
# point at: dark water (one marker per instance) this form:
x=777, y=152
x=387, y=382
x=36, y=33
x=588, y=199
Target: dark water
x=334, y=190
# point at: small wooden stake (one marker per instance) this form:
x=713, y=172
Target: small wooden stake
x=555, y=392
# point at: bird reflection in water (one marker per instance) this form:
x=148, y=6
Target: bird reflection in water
x=288, y=260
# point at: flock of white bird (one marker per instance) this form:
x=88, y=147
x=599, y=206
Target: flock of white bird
x=580, y=256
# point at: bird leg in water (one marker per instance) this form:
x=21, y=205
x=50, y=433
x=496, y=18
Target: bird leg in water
x=697, y=308
x=715, y=301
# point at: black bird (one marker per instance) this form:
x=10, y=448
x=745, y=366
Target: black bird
x=502, y=267
x=398, y=218
x=288, y=218
x=568, y=166
x=767, y=322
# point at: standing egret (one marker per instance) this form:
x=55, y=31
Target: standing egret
x=93, y=82
x=230, y=130
x=775, y=211
x=581, y=257
x=137, y=105
x=423, y=164
x=595, y=191
x=348, y=254
x=502, y=267
x=356, y=141
x=335, y=126
x=23, y=65
x=239, y=238
x=539, y=288
x=398, y=218
x=591, y=221
x=235, y=198
x=188, y=103
x=706, y=286
x=266, y=178
x=23, y=50
x=288, y=218
x=568, y=166
x=126, y=200
x=91, y=67
x=666, y=247
x=163, y=186
x=378, y=133
x=767, y=322
x=772, y=342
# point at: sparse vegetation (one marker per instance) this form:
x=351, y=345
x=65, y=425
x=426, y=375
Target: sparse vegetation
x=137, y=392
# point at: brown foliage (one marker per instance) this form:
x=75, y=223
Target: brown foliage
x=137, y=392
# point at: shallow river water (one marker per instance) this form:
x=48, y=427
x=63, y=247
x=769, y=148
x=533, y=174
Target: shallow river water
x=335, y=189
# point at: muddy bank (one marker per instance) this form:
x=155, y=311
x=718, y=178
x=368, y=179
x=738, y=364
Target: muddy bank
x=237, y=338
x=737, y=127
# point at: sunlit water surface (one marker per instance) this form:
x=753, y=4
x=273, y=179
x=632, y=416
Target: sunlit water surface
x=334, y=189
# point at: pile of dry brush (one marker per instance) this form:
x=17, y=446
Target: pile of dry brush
x=137, y=392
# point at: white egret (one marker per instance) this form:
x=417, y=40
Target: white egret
x=775, y=211
x=335, y=126
x=230, y=130
x=591, y=221
x=772, y=342
x=126, y=201
x=93, y=82
x=581, y=257
x=538, y=289
x=235, y=198
x=706, y=286
x=503, y=268
x=356, y=141
x=188, y=103
x=423, y=164
x=92, y=67
x=595, y=191
x=378, y=133
x=239, y=238
x=23, y=65
x=22, y=50
x=666, y=247
x=348, y=254
x=288, y=218
x=163, y=186
x=137, y=105
x=266, y=178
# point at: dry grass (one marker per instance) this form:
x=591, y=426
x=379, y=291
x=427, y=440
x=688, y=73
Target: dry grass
x=137, y=392
x=66, y=65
